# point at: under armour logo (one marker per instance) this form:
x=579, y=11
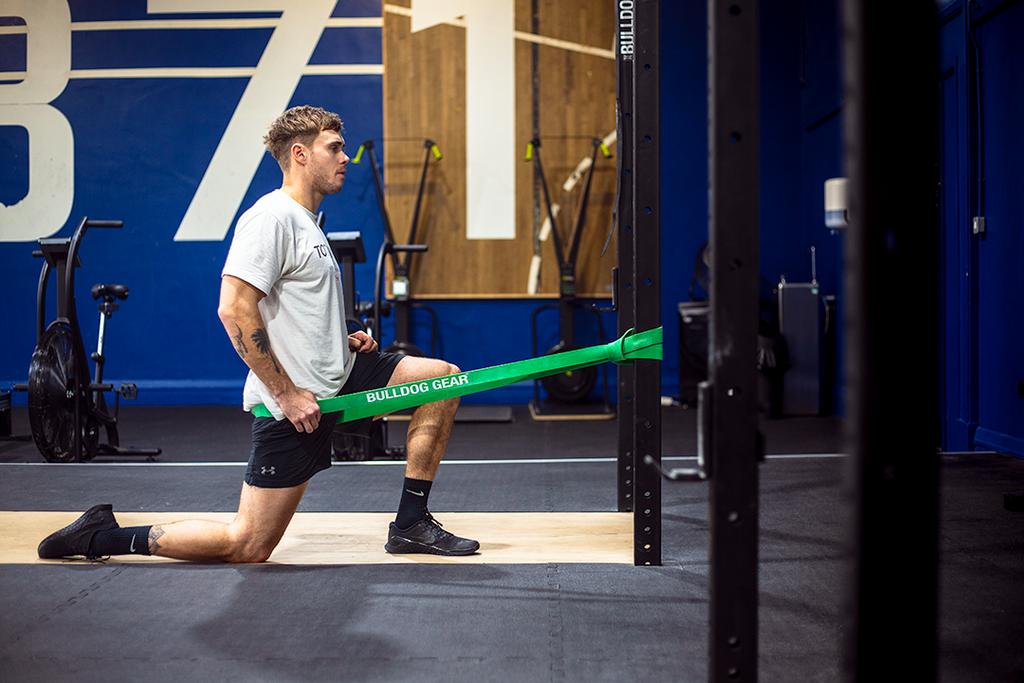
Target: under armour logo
x=267, y=470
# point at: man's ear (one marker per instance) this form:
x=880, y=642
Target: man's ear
x=298, y=153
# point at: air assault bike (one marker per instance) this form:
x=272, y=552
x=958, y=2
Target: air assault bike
x=67, y=410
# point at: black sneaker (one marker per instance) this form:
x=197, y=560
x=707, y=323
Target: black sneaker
x=74, y=539
x=427, y=536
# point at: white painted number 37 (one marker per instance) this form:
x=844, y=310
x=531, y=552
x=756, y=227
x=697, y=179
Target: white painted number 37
x=51, y=182
x=47, y=205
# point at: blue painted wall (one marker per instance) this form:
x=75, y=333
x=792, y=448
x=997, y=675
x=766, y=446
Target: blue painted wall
x=958, y=293
x=142, y=145
x=800, y=148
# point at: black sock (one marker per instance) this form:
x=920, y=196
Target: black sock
x=414, y=502
x=133, y=540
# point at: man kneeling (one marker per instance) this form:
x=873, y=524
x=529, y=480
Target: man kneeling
x=281, y=303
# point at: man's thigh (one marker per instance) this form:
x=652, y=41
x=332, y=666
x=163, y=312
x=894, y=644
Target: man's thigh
x=371, y=371
x=264, y=513
x=283, y=457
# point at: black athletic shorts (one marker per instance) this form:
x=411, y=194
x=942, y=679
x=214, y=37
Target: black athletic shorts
x=283, y=456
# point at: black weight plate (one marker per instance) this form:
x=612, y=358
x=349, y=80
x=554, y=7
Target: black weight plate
x=572, y=386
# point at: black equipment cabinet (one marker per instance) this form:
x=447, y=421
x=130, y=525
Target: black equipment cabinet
x=807, y=323
x=693, y=349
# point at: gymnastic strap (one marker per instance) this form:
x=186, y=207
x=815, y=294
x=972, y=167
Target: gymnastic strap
x=631, y=346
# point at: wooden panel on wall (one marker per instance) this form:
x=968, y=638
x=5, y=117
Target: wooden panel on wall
x=425, y=98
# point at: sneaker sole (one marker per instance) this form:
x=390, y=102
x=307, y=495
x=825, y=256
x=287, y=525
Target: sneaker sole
x=410, y=548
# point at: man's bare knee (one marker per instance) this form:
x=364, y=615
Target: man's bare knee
x=246, y=550
x=254, y=556
x=414, y=369
x=263, y=516
x=440, y=368
x=250, y=542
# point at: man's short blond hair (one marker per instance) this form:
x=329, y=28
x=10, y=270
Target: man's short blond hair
x=298, y=124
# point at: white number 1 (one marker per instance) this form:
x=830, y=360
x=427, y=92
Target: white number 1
x=490, y=109
x=240, y=151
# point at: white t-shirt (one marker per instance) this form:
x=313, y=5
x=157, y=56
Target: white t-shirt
x=279, y=249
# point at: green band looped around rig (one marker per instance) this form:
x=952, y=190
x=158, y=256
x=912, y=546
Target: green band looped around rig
x=631, y=346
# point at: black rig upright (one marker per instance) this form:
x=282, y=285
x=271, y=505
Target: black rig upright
x=892, y=243
x=728, y=410
x=639, y=258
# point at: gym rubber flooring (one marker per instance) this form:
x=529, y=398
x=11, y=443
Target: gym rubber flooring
x=581, y=616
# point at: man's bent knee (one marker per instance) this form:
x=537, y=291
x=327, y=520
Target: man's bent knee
x=444, y=368
x=245, y=549
x=250, y=556
x=413, y=369
x=263, y=516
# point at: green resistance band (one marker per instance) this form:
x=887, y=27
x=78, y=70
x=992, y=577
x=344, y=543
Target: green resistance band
x=626, y=349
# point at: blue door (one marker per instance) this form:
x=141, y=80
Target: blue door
x=1001, y=250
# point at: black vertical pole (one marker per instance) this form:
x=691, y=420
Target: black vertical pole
x=646, y=276
x=728, y=407
x=638, y=50
x=892, y=349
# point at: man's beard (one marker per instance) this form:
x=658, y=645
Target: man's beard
x=325, y=182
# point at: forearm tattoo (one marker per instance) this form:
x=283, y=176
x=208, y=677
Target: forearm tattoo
x=261, y=340
x=240, y=345
x=155, y=533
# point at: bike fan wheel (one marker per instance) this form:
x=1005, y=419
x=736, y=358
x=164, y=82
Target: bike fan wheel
x=571, y=386
x=51, y=402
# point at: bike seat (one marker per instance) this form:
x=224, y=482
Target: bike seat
x=110, y=292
